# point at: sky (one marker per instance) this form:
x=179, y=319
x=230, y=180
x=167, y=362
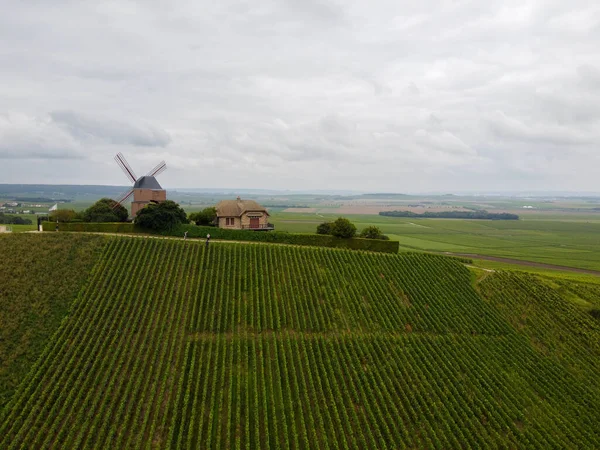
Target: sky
x=394, y=95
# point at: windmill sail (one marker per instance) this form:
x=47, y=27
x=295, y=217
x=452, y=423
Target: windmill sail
x=125, y=167
x=123, y=197
x=158, y=169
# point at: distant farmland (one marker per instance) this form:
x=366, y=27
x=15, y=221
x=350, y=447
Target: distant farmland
x=172, y=345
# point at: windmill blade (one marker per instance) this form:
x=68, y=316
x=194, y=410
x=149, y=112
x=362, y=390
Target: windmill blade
x=123, y=197
x=158, y=169
x=125, y=167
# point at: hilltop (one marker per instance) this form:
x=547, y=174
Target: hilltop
x=169, y=344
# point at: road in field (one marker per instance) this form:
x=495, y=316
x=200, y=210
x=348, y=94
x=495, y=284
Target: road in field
x=520, y=262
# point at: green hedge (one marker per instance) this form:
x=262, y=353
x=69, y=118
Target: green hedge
x=118, y=227
x=315, y=240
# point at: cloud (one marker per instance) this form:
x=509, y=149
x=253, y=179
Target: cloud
x=24, y=137
x=388, y=95
x=84, y=127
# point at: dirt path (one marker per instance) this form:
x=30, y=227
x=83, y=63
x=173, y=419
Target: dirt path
x=521, y=262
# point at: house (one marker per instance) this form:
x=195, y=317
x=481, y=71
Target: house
x=242, y=215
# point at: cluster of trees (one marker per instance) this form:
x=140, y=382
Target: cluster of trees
x=343, y=228
x=155, y=216
x=13, y=220
x=104, y=210
x=481, y=214
x=206, y=217
x=161, y=216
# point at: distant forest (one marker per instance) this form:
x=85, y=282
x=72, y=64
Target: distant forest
x=13, y=220
x=481, y=214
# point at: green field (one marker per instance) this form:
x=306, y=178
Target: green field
x=560, y=242
x=40, y=276
x=173, y=345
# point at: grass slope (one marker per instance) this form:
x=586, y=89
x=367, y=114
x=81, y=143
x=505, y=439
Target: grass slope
x=173, y=345
x=559, y=241
x=40, y=277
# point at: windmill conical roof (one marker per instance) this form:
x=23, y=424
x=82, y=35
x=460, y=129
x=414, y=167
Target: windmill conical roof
x=146, y=182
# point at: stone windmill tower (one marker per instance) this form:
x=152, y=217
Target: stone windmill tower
x=145, y=189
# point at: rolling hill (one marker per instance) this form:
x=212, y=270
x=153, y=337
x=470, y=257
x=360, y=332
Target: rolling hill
x=168, y=344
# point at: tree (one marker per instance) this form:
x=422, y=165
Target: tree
x=324, y=228
x=371, y=232
x=63, y=215
x=106, y=210
x=161, y=216
x=343, y=228
x=205, y=217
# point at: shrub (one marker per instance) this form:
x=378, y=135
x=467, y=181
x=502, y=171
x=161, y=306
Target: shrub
x=205, y=217
x=371, y=232
x=105, y=210
x=324, y=228
x=63, y=215
x=343, y=228
x=161, y=216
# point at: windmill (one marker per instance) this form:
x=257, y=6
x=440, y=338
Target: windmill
x=145, y=189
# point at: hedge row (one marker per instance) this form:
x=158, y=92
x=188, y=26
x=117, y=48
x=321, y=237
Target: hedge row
x=315, y=240
x=118, y=227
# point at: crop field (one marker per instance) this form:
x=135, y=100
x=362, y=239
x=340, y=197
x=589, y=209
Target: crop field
x=559, y=242
x=174, y=345
x=40, y=277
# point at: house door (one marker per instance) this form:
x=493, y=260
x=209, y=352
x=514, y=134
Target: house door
x=254, y=222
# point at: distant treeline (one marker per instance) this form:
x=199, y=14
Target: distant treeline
x=267, y=205
x=481, y=214
x=13, y=220
x=42, y=200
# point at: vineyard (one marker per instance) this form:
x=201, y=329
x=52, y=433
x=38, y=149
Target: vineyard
x=173, y=345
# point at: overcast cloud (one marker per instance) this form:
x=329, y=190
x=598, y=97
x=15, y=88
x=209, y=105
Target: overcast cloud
x=303, y=94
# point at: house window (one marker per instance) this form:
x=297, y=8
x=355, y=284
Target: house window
x=229, y=221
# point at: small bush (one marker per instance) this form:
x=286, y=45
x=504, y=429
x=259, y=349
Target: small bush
x=324, y=228
x=105, y=210
x=343, y=228
x=207, y=216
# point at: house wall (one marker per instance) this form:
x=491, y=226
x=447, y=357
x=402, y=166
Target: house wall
x=263, y=219
x=236, y=223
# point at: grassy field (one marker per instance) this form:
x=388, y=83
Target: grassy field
x=41, y=276
x=174, y=345
x=574, y=243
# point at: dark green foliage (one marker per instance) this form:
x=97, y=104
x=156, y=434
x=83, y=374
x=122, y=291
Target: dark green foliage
x=479, y=214
x=40, y=276
x=105, y=210
x=13, y=220
x=161, y=216
x=256, y=346
x=343, y=228
x=118, y=227
x=206, y=217
x=278, y=237
x=275, y=237
x=372, y=232
x=63, y=215
x=595, y=313
x=324, y=228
